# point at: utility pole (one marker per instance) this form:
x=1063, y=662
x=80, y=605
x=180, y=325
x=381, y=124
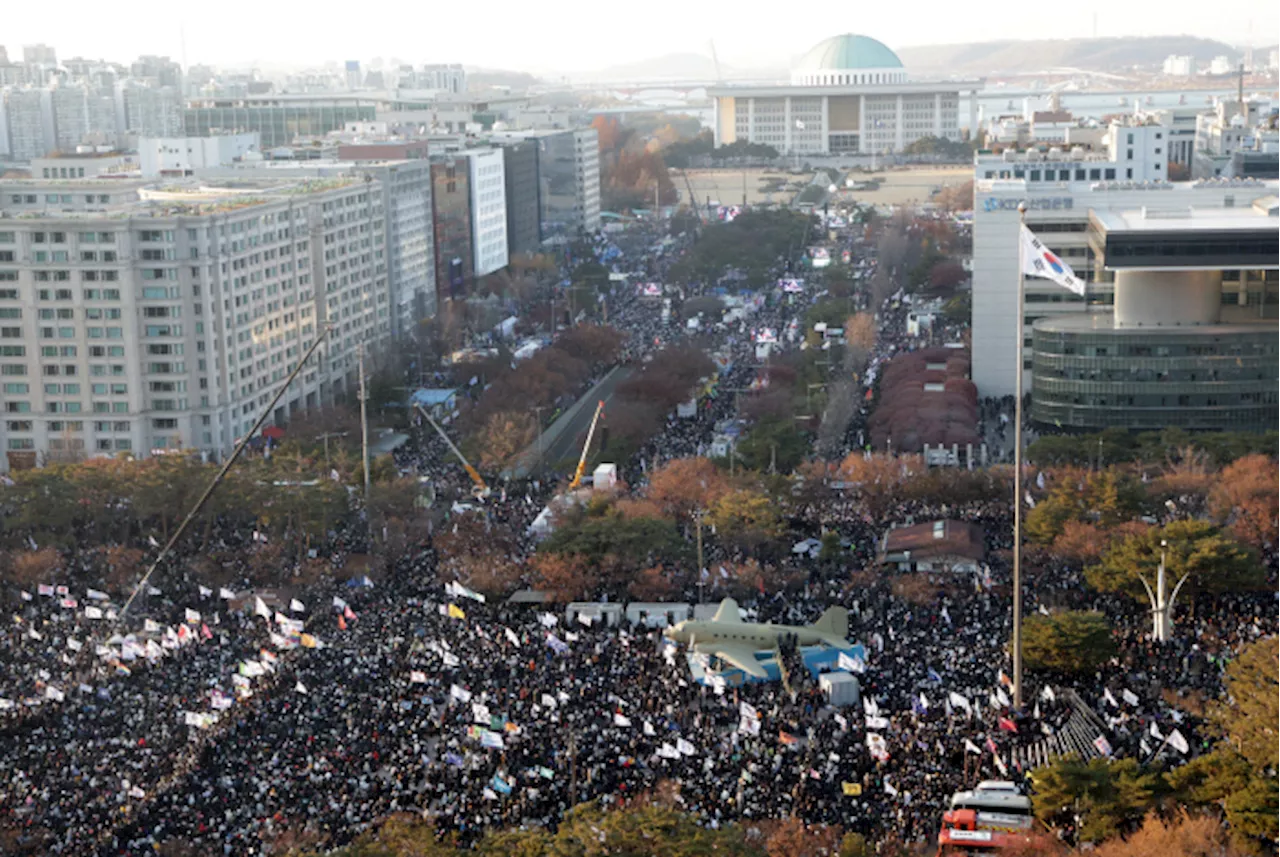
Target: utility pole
x=773, y=458
x=573, y=768
x=364, y=436
x=1016, y=643
x=697, y=517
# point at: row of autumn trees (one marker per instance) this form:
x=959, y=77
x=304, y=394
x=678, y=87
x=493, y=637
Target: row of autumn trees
x=94, y=522
x=1235, y=782
x=504, y=420
x=1217, y=521
x=652, y=826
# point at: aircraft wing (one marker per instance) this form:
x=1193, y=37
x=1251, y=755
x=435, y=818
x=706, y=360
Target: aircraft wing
x=742, y=657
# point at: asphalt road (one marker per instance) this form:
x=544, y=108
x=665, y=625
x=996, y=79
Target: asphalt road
x=563, y=439
x=568, y=442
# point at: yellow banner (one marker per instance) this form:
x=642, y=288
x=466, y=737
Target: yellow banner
x=455, y=612
x=852, y=789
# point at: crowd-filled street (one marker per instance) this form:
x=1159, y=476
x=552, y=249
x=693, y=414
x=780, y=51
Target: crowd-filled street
x=225, y=722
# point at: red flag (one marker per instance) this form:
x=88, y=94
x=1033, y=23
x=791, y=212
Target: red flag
x=205, y=632
x=342, y=624
x=348, y=612
x=1008, y=725
x=760, y=583
x=991, y=745
x=784, y=738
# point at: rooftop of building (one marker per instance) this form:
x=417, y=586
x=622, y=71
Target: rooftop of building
x=1260, y=215
x=1054, y=154
x=779, y=90
x=848, y=52
x=207, y=195
x=1020, y=186
x=1052, y=116
x=91, y=155
x=1105, y=322
x=937, y=538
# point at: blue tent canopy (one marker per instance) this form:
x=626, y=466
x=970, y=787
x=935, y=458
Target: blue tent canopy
x=430, y=398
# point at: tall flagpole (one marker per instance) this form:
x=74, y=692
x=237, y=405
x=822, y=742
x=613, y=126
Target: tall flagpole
x=1017, y=474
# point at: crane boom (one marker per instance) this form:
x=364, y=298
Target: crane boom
x=480, y=485
x=586, y=447
x=693, y=200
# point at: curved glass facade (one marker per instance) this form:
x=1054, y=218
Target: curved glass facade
x=1218, y=377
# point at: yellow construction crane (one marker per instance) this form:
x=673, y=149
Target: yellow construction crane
x=480, y=489
x=586, y=447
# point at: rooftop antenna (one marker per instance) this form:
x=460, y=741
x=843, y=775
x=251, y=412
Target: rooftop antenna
x=1240, y=92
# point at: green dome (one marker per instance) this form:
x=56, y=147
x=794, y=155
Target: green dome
x=849, y=51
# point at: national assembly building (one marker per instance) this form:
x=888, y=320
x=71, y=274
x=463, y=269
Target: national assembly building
x=848, y=95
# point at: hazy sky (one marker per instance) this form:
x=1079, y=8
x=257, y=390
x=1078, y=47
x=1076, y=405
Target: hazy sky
x=576, y=35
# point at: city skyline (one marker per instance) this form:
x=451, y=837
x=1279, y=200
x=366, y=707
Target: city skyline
x=244, y=35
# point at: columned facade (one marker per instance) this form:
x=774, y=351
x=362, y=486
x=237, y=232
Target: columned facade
x=848, y=95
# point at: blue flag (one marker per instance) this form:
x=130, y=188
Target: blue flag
x=453, y=759
x=934, y=677
x=500, y=785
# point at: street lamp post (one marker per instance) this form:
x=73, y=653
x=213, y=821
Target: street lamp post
x=1162, y=606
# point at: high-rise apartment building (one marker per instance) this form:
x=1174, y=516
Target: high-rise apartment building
x=160, y=71
x=27, y=122
x=451, y=225
x=39, y=55
x=405, y=187
x=568, y=180
x=488, y=210
x=149, y=111
x=520, y=172
x=71, y=125
x=148, y=319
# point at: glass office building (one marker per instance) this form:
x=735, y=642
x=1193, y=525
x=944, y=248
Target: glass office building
x=1215, y=377
x=1192, y=339
x=278, y=121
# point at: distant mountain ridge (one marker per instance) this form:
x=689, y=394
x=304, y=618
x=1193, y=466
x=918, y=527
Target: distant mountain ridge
x=1009, y=56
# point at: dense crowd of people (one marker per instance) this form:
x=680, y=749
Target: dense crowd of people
x=225, y=720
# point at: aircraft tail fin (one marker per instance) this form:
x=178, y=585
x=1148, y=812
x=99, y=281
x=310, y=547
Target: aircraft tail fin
x=727, y=612
x=834, y=621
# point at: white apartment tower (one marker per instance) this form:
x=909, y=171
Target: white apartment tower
x=148, y=319
x=488, y=210
x=28, y=122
